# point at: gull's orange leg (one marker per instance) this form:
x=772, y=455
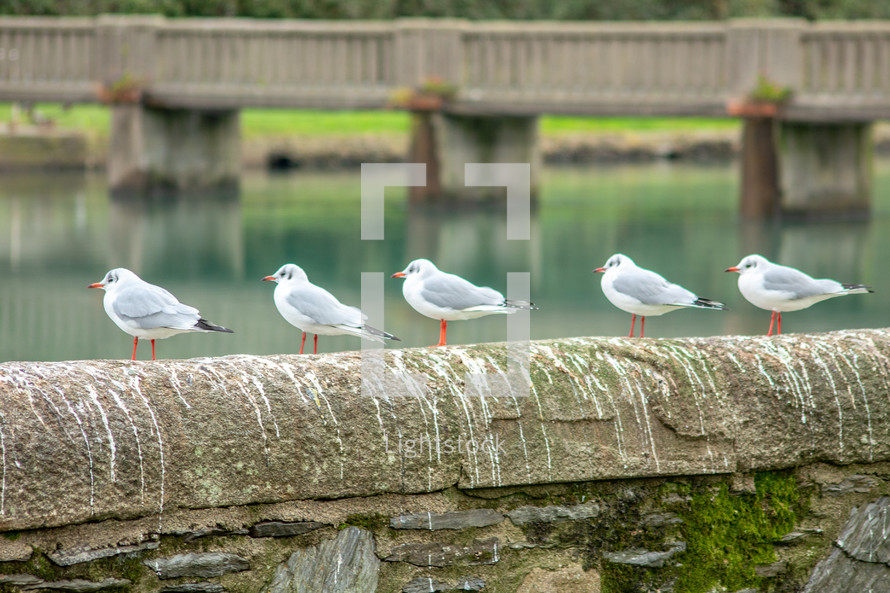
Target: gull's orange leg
x=303, y=341
x=135, y=341
x=442, y=331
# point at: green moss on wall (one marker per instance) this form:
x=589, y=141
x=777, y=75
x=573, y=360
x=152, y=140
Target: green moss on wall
x=370, y=521
x=728, y=534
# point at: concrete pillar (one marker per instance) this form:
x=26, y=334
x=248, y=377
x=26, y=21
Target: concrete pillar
x=826, y=169
x=446, y=142
x=759, y=196
x=156, y=149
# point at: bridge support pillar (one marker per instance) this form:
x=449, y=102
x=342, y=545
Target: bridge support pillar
x=806, y=170
x=826, y=169
x=155, y=149
x=446, y=142
x=759, y=163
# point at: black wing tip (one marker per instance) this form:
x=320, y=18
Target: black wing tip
x=709, y=304
x=858, y=287
x=207, y=326
x=520, y=305
x=380, y=333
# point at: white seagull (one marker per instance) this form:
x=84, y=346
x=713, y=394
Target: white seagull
x=780, y=288
x=643, y=292
x=312, y=309
x=147, y=311
x=448, y=297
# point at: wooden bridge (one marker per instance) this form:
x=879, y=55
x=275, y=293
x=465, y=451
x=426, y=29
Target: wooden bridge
x=837, y=72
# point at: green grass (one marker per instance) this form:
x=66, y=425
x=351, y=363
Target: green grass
x=555, y=125
x=287, y=122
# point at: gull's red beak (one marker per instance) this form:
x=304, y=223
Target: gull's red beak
x=268, y=278
x=599, y=270
x=95, y=285
x=398, y=275
x=732, y=269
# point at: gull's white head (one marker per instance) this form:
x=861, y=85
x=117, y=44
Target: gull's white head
x=419, y=267
x=616, y=261
x=288, y=273
x=114, y=278
x=750, y=264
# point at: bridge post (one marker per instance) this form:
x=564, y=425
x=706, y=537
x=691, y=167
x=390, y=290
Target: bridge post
x=444, y=140
x=154, y=149
x=769, y=49
x=826, y=169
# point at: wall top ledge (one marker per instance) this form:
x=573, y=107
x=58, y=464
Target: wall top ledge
x=90, y=440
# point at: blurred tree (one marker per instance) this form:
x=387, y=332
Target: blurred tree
x=471, y=9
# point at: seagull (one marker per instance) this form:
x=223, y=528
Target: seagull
x=313, y=309
x=147, y=311
x=781, y=288
x=643, y=292
x=448, y=297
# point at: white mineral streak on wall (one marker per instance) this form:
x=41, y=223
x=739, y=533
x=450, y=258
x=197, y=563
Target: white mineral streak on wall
x=3, y=451
x=503, y=374
x=447, y=376
x=404, y=382
x=632, y=387
x=120, y=404
x=86, y=440
x=252, y=362
x=854, y=367
x=784, y=357
x=574, y=382
x=619, y=427
x=721, y=396
x=320, y=392
x=838, y=355
x=99, y=377
x=476, y=372
x=840, y=413
x=112, y=447
x=177, y=386
x=763, y=372
x=675, y=355
x=882, y=365
x=135, y=384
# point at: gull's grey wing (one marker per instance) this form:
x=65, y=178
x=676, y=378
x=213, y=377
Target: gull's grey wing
x=651, y=289
x=150, y=306
x=453, y=292
x=322, y=307
x=796, y=283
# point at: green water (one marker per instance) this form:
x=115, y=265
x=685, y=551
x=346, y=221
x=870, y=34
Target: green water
x=59, y=233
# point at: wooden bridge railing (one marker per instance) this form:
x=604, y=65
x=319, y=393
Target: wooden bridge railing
x=836, y=70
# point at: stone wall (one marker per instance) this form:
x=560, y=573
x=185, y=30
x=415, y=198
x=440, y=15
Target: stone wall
x=604, y=465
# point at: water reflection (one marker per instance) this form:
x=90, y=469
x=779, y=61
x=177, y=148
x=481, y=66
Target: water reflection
x=60, y=232
x=179, y=236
